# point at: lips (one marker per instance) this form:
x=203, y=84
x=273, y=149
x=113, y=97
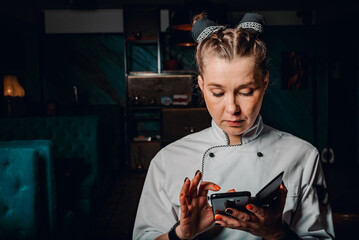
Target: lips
x=234, y=123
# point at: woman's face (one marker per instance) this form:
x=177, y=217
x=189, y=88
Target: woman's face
x=232, y=94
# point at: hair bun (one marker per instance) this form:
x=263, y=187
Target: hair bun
x=253, y=22
x=203, y=28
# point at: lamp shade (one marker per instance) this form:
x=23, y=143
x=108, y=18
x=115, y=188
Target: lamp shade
x=12, y=87
x=182, y=17
x=182, y=38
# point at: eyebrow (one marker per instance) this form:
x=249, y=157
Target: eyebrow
x=249, y=84
x=215, y=85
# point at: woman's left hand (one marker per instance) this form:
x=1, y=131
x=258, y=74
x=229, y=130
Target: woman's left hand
x=265, y=222
x=196, y=213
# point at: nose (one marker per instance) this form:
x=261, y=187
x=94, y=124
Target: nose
x=232, y=107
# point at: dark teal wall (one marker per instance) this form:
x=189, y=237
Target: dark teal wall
x=301, y=112
x=52, y=65
x=94, y=63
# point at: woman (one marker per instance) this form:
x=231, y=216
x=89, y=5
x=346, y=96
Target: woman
x=237, y=153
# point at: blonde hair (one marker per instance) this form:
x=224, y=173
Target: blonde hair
x=232, y=43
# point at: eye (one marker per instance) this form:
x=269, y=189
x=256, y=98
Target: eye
x=217, y=94
x=246, y=92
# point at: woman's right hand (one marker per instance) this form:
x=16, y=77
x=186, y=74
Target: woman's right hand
x=196, y=213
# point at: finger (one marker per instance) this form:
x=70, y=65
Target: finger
x=257, y=211
x=195, y=181
x=230, y=222
x=282, y=195
x=184, y=206
x=204, y=187
x=232, y=190
x=218, y=219
x=183, y=197
x=240, y=215
x=185, y=186
x=185, y=189
x=283, y=187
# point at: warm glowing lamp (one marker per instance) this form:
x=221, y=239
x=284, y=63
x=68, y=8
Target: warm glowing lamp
x=12, y=89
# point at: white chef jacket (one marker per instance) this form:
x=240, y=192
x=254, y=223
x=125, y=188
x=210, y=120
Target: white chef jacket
x=262, y=155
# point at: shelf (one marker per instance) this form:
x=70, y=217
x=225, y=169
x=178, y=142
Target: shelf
x=146, y=118
x=144, y=141
x=140, y=42
x=160, y=107
x=164, y=73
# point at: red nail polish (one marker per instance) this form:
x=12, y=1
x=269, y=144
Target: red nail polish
x=218, y=217
x=216, y=187
x=249, y=207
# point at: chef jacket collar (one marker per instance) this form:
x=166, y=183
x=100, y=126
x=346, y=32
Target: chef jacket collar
x=248, y=136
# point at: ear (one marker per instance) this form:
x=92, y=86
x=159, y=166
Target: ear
x=266, y=81
x=200, y=82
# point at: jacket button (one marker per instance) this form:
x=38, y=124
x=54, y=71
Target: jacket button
x=211, y=155
x=259, y=154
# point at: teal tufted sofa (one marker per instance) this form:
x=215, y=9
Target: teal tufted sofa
x=12, y=151
x=20, y=194
x=74, y=148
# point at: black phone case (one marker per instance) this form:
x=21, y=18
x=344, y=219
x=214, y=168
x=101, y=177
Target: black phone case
x=269, y=192
x=237, y=200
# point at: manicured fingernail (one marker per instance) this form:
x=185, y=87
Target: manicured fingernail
x=196, y=172
x=249, y=207
x=229, y=211
x=185, y=179
x=181, y=195
x=232, y=190
x=216, y=187
x=218, y=217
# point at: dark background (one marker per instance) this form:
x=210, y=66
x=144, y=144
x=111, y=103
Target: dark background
x=324, y=113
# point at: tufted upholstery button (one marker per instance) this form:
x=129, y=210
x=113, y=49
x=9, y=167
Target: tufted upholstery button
x=259, y=154
x=17, y=184
x=5, y=164
x=211, y=154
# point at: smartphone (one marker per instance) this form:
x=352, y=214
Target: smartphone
x=239, y=200
x=221, y=201
x=269, y=192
